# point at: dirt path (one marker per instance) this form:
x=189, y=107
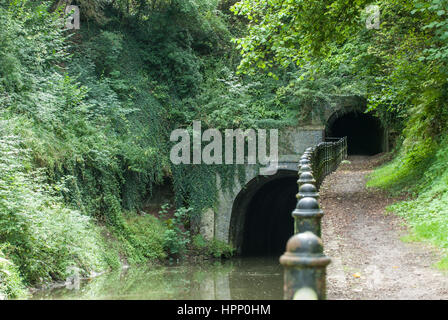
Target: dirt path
x=369, y=261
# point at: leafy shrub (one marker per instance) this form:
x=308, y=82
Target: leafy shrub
x=147, y=237
x=11, y=284
x=176, y=238
x=214, y=248
x=199, y=242
x=45, y=236
x=220, y=249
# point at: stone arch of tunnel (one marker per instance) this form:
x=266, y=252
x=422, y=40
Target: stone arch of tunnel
x=261, y=221
x=365, y=133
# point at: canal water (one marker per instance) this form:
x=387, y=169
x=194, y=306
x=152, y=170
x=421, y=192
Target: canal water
x=242, y=278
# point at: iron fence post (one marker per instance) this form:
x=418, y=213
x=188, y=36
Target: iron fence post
x=305, y=168
x=307, y=190
x=307, y=215
x=304, y=266
x=305, y=177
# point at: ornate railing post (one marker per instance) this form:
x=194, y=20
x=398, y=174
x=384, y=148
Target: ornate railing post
x=307, y=190
x=307, y=216
x=304, y=161
x=305, y=268
x=304, y=168
x=305, y=177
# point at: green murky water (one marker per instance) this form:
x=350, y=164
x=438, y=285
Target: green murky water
x=245, y=278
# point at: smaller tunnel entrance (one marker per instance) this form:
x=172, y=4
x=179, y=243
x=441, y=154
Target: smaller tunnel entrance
x=265, y=221
x=365, y=133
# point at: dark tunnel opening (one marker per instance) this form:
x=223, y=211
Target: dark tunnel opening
x=269, y=224
x=364, y=132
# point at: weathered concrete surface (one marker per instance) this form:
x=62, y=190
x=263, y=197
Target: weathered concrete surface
x=296, y=140
x=207, y=227
x=225, y=206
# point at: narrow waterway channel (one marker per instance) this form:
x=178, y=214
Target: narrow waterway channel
x=238, y=279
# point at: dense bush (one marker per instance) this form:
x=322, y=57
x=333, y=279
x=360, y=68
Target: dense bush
x=147, y=236
x=44, y=236
x=11, y=284
x=214, y=247
x=176, y=237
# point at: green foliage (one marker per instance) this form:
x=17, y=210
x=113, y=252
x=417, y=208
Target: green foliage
x=11, y=284
x=214, y=248
x=45, y=237
x=400, y=174
x=98, y=121
x=439, y=26
x=147, y=238
x=389, y=66
x=145, y=83
x=176, y=238
x=199, y=242
x=227, y=101
x=443, y=263
x=219, y=249
x=285, y=32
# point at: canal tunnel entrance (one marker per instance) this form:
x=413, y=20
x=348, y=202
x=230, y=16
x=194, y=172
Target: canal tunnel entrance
x=365, y=133
x=262, y=221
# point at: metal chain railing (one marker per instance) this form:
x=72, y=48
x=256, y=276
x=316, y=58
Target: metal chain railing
x=304, y=260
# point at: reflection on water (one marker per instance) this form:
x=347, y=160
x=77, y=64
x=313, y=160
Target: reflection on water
x=245, y=278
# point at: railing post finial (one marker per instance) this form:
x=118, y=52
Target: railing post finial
x=307, y=216
x=305, y=267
